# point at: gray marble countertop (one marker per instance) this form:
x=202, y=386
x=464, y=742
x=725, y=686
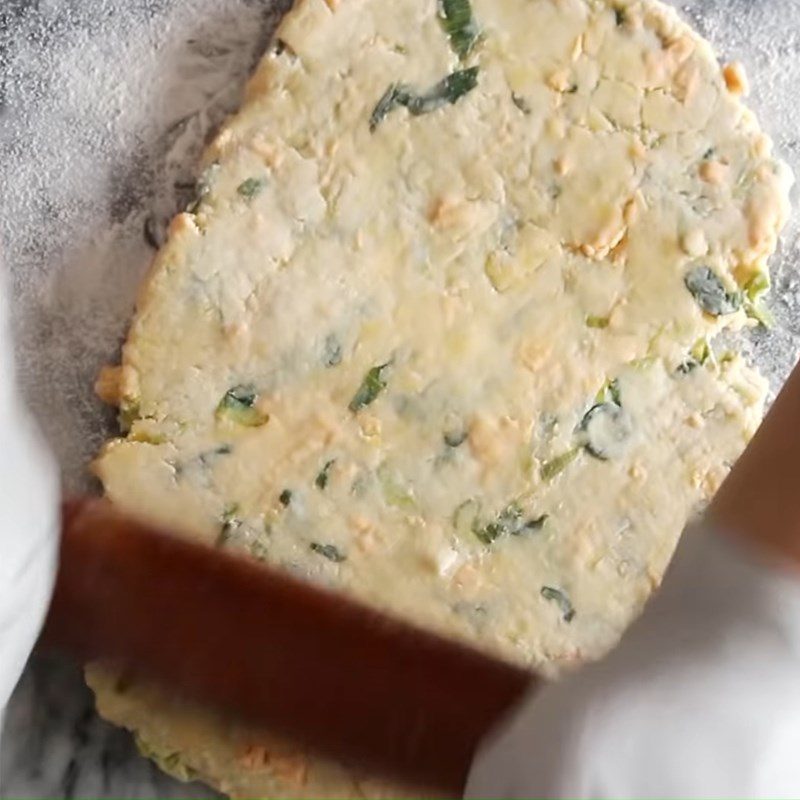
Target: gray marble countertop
x=74, y=281
x=55, y=746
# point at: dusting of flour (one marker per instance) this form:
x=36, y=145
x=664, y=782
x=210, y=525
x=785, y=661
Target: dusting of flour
x=104, y=109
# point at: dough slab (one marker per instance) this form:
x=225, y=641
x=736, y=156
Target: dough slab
x=435, y=332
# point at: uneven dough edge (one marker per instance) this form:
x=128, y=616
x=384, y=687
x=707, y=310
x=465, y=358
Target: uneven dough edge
x=280, y=770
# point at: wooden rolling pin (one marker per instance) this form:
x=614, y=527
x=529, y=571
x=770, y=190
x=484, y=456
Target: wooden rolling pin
x=334, y=675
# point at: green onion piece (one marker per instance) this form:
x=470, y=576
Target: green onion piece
x=171, y=763
x=329, y=551
x=459, y=25
x=238, y=405
x=395, y=492
x=710, y=293
x=560, y=598
x=465, y=516
x=392, y=98
x=373, y=384
x=510, y=522
x=597, y=322
x=447, y=92
x=321, y=481
x=332, y=351
x=758, y=285
x=698, y=356
x=605, y=430
x=521, y=103
x=558, y=464
x=609, y=393
x=455, y=438
x=230, y=523
x=251, y=187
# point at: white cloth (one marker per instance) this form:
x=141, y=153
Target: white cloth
x=700, y=699
x=29, y=492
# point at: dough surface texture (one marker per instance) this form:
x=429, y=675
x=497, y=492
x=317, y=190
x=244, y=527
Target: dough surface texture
x=436, y=333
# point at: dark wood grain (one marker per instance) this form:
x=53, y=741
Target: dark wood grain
x=330, y=673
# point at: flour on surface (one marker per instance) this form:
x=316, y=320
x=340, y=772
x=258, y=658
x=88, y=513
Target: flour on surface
x=104, y=114
x=104, y=108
